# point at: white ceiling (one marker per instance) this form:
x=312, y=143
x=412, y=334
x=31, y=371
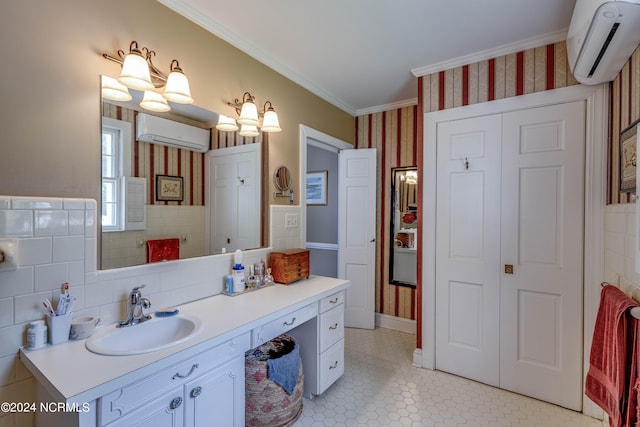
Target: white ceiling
x=364, y=55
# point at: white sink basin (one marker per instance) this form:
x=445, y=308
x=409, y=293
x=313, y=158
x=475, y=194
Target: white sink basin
x=153, y=335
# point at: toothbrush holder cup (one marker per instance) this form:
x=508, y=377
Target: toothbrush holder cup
x=59, y=327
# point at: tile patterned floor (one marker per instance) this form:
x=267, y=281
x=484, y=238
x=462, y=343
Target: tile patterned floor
x=380, y=387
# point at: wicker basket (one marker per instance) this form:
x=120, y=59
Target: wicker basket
x=266, y=402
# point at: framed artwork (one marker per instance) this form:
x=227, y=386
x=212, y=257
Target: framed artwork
x=628, y=158
x=317, y=188
x=169, y=188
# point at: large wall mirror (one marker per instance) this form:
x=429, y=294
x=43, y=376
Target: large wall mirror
x=404, y=226
x=153, y=195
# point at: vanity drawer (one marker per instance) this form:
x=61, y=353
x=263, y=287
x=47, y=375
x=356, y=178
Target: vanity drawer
x=331, y=365
x=123, y=401
x=327, y=303
x=331, y=328
x=270, y=330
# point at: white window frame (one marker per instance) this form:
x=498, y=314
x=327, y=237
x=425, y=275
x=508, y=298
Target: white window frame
x=124, y=129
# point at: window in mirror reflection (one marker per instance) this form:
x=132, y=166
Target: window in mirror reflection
x=114, y=135
x=404, y=226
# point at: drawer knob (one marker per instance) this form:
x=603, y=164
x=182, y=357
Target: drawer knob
x=196, y=392
x=289, y=323
x=334, y=366
x=179, y=375
x=335, y=326
x=175, y=403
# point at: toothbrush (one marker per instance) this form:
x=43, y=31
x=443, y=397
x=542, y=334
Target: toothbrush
x=48, y=308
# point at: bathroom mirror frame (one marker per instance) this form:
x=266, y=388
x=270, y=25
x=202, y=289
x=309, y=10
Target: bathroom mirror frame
x=193, y=115
x=397, y=174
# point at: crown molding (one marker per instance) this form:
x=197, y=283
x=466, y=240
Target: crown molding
x=491, y=53
x=183, y=8
x=387, y=107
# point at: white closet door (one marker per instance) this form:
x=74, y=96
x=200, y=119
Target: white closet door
x=468, y=248
x=233, y=198
x=542, y=237
x=509, y=251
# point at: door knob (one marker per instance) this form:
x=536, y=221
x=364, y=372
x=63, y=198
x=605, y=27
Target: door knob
x=508, y=269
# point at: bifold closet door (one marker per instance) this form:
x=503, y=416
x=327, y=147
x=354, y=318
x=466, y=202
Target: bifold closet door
x=509, y=250
x=542, y=237
x=468, y=248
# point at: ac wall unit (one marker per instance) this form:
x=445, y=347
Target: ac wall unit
x=602, y=36
x=168, y=132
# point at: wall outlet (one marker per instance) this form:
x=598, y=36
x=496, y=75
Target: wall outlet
x=291, y=220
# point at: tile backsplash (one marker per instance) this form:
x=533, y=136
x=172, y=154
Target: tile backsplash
x=56, y=242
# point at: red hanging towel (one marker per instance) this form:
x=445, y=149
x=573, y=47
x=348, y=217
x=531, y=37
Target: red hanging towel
x=610, y=359
x=163, y=250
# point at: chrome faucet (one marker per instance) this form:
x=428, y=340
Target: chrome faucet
x=136, y=305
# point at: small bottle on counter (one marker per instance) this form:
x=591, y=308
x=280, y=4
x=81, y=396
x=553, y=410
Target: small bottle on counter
x=37, y=335
x=268, y=278
x=238, y=273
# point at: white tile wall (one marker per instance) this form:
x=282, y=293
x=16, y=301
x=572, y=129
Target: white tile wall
x=281, y=236
x=619, y=242
x=57, y=241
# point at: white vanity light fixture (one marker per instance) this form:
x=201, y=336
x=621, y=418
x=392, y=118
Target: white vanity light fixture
x=153, y=101
x=248, y=130
x=114, y=90
x=270, y=122
x=139, y=73
x=226, y=124
x=249, y=117
x=411, y=177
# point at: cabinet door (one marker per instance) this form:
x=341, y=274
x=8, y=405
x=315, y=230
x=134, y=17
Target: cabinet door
x=166, y=411
x=217, y=398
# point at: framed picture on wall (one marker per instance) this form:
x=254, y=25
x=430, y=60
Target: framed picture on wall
x=317, y=188
x=169, y=188
x=628, y=158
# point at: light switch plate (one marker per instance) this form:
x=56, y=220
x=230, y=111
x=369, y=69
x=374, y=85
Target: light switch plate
x=290, y=220
x=8, y=254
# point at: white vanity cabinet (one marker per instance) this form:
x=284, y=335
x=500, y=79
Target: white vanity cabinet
x=321, y=343
x=209, y=386
x=201, y=383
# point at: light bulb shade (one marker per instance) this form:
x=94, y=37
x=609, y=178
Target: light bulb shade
x=270, y=122
x=248, y=130
x=249, y=114
x=114, y=90
x=153, y=101
x=135, y=72
x=177, y=89
x=226, y=124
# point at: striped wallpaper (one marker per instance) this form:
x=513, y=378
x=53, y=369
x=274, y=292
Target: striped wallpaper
x=149, y=160
x=397, y=134
x=394, y=135
x=624, y=110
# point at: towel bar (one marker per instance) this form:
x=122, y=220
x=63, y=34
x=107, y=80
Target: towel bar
x=635, y=311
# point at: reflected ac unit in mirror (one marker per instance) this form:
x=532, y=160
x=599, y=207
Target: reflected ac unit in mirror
x=173, y=134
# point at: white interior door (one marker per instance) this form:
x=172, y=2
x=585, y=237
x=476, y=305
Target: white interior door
x=233, y=198
x=468, y=248
x=542, y=237
x=509, y=256
x=356, y=234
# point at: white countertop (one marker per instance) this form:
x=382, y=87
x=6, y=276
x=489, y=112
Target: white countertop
x=72, y=373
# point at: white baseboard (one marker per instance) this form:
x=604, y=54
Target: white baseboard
x=417, y=358
x=396, y=323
